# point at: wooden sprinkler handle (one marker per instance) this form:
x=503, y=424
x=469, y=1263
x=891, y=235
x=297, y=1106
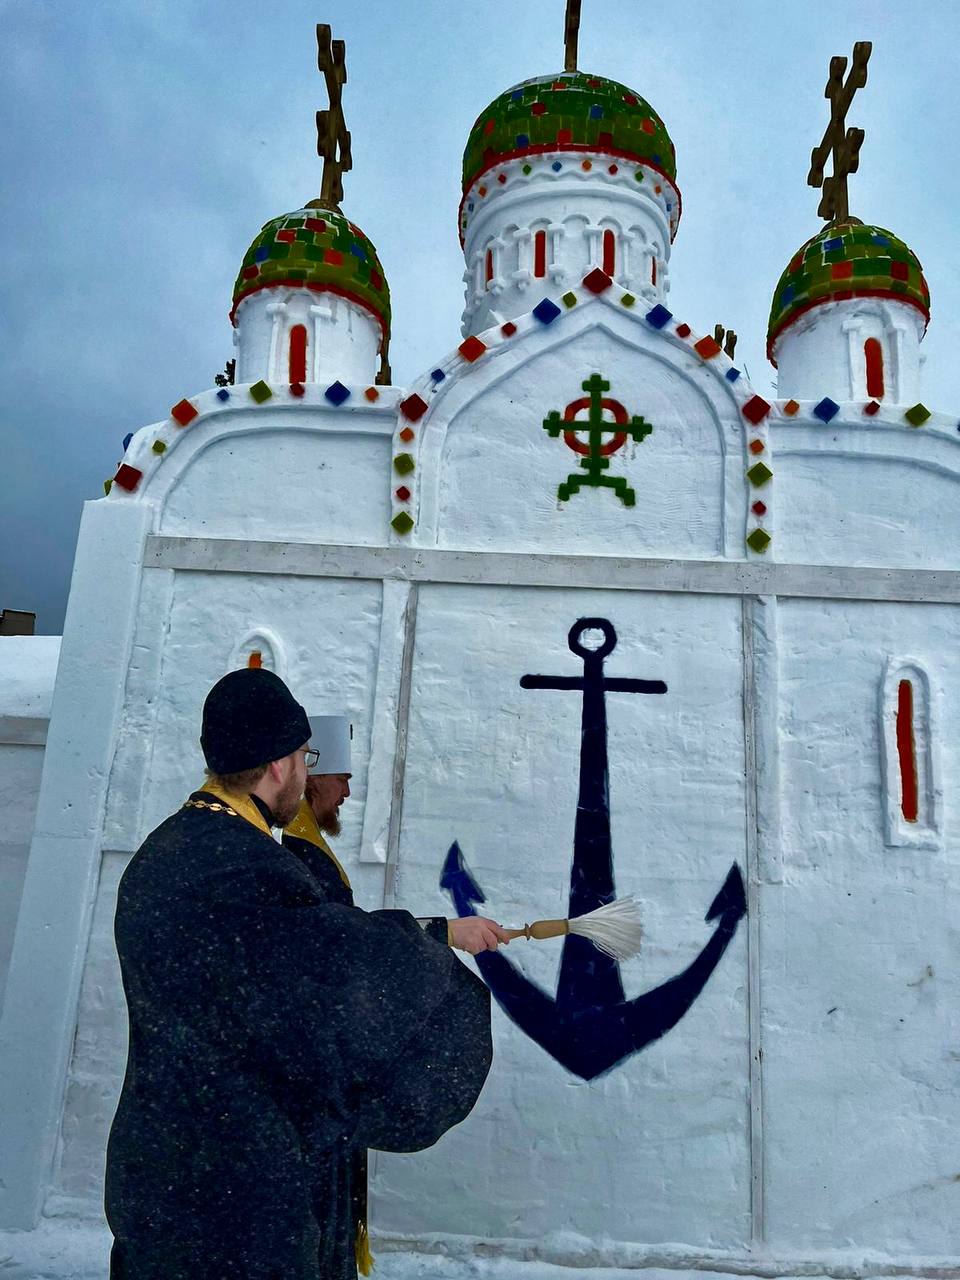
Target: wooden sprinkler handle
x=541, y=929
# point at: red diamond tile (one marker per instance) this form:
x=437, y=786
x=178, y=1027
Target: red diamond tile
x=586, y=165
x=605, y=140
x=407, y=434
x=128, y=477
x=538, y=109
x=508, y=329
x=316, y=225
x=796, y=264
x=759, y=508
x=841, y=270
x=297, y=389
x=472, y=348
x=755, y=446
x=648, y=126
x=630, y=100
x=613, y=169
x=413, y=407
x=333, y=257
x=288, y=236
x=596, y=280
x=683, y=331
x=489, y=126
x=372, y=394
x=899, y=271
x=755, y=410
x=184, y=413
x=376, y=279
x=871, y=408
x=251, y=272
x=403, y=493
x=564, y=135
x=501, y=178
x=791, y=407
x=707, y=348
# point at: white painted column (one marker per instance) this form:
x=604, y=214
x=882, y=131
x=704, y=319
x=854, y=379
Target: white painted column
x=46, y=968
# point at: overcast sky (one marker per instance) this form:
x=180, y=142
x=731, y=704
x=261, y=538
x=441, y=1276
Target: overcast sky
x=146, y=141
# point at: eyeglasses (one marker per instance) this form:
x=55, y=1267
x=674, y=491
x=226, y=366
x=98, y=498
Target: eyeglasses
x=311, y=756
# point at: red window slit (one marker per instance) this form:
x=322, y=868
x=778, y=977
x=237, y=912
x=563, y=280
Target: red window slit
x=540, y=254
x=298, y=353
x=488, y=270
x=906, y=749
x=873, y=353
x=609, y=253
x=653, y=271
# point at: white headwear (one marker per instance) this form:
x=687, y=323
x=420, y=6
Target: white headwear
x=331, y=735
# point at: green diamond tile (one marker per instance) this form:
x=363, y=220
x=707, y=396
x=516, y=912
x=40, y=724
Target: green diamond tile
x=758, y=540
x=260, y=392
x=759, y=474
x=918, y=415
x=402, y=522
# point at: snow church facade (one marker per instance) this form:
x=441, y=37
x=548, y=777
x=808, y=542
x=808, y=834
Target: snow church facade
x=579, y=567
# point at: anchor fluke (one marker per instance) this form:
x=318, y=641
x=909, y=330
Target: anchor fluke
x=457, y=879
x=730, y=904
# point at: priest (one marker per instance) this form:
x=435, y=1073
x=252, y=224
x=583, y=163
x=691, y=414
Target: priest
x=276, y=1030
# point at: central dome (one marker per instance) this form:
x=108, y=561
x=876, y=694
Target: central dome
x=571, y=111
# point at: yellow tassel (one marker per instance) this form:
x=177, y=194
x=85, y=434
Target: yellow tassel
x=362, y=1250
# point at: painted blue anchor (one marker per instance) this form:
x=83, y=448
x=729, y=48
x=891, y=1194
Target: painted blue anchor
x=590, y=1026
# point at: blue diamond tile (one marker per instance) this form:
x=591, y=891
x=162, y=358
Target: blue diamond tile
x=879, y=240
x=826, y=409
x=523, y=140
x=657, y=160
x=358, y=251
x=516, y=95
x=788, y=294
x=835, y=242
x=732, y=375
x=262, y=254
x=223, y=394
x=556, y=166
x=126, y=441
x=659, y=316
x=546, y=311
x=470, y=206
x=438, y=375
x=596, y=112
x=336, y=393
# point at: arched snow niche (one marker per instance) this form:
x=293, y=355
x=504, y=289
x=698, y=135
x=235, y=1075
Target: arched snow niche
x=490, y=472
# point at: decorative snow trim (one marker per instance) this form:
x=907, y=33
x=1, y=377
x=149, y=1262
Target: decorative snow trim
x=910, y=756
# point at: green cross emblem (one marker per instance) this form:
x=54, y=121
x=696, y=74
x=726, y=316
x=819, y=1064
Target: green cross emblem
x=595, y=454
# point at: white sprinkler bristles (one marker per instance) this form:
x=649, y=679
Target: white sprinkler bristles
x=615, y=928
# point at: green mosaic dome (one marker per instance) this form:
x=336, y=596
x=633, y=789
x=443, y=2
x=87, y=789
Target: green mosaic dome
x=315, y=248
x=847, y=260
x=571, y=111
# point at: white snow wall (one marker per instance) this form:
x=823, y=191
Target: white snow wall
x=805, y=1105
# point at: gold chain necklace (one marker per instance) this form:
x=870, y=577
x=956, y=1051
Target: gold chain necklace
x=216, y=808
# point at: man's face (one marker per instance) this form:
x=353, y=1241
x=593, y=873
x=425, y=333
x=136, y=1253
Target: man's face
x=288, y=800
x=326, y=792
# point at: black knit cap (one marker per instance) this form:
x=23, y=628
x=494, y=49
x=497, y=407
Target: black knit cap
x=250, y=717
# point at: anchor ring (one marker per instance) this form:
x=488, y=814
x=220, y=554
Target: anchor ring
x=592, y=624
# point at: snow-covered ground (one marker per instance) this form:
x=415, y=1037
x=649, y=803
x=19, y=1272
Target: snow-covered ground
x=60, y=1249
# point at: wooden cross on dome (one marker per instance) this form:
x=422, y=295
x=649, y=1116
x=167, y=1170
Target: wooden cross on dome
x=571, y=34
x=333, y=137
x=843, y=142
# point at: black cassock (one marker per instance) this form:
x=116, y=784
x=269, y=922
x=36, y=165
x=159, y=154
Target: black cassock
x=275, y=1034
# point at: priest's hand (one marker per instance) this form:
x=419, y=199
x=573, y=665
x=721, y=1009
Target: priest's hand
x=476, y=933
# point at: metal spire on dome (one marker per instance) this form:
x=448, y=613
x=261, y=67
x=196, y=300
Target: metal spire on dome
x=571, y=34
x=843, y=142
x=333, y=137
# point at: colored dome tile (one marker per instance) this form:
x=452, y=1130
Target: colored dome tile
x=317, y=249
x=849, y=260
x=568, y=112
